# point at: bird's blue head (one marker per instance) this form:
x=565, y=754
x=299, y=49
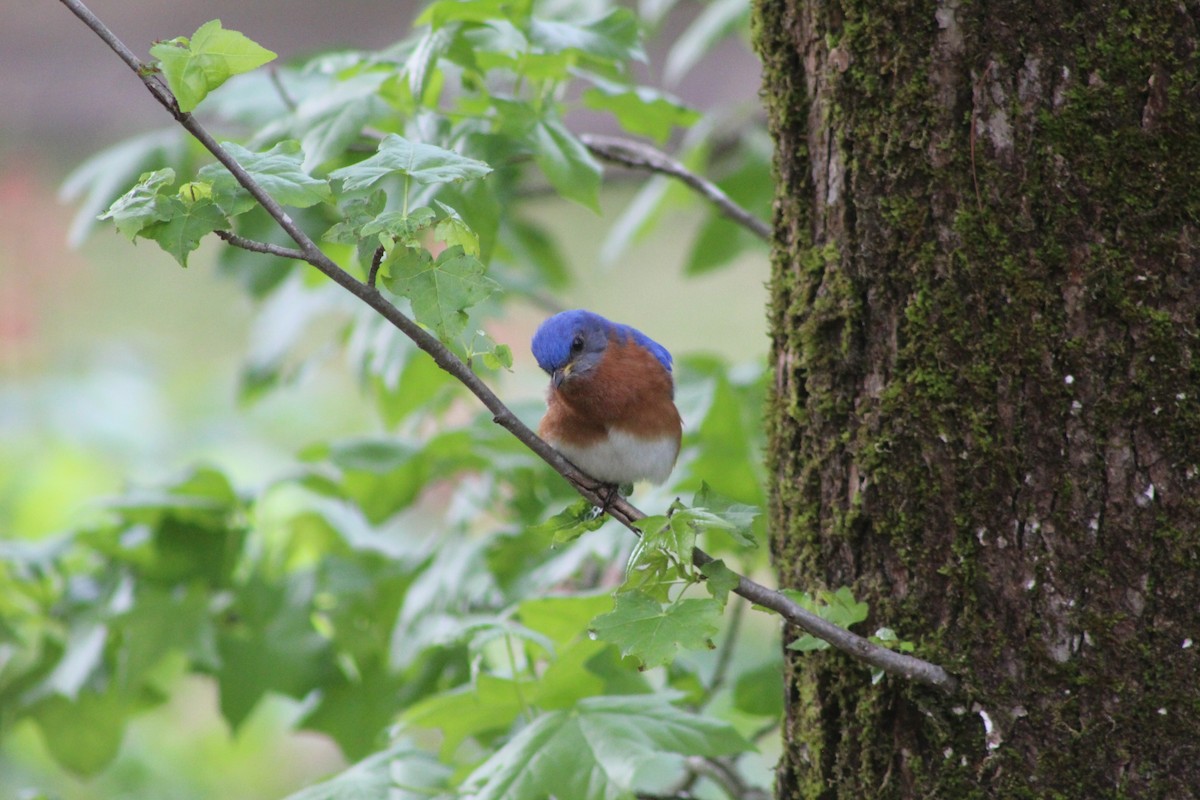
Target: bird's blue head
x=573, y=342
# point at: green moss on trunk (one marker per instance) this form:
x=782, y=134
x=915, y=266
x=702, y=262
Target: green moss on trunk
x=986, y=416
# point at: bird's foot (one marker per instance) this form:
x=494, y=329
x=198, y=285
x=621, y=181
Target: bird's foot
x=610, y=492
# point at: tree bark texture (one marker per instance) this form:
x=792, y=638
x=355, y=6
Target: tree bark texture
x=986, y=410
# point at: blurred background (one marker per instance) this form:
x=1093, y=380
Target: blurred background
x=119, y=368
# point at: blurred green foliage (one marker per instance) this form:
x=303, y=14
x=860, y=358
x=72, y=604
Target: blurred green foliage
x=426, y=594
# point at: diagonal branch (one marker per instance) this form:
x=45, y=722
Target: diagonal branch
x=637, y=155
x=590, y=489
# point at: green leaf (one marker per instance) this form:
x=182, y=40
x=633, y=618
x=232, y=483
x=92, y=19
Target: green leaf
x=421, y=385
x=597, y=750
x=371, y=454
x=445, y=11
x=566, y=163
x=720, y=241
x=455, y=233
x=844, y=608
x=713, y=511
x=760, y=690
x=840, y=607
x=355, y=709
x=396, y=226
x=144, y=204
x=82, y=659
x=489, y=706
x=889, y=638
x=440, y=290
x=383, y=477
x=270, y=645
x=279, y=171
x=643, y=628
x=613, y=38
x=163, y=621
x=486, y=634
x=563, y=618
x=188, y=223
x=212, y=56
x=329, y=123
x=642, y=110
x=357, y=212
x=572, y=522
x=84, y=734
x=499, y=357
x=654, y=571
x=727, y=439
x=480, y=207
x=721, y=580
x=493, y=356
x=98, y=181
x=423, y=163
x=527, y=245
x=187, y=551
x=421, y=66
x=399, y=773
x=570, y=677
x=202, y=495
x=807, y=643
x=674, y=535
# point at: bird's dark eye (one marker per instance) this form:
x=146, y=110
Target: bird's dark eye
x=577, y=344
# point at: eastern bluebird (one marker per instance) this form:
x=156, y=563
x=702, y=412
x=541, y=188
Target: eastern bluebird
x=610, y=405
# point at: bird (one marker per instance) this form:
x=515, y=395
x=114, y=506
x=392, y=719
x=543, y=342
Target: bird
x=610, y=405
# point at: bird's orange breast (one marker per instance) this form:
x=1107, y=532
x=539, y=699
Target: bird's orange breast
x=628, y=390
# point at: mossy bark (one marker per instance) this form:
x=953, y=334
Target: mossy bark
x=986, y=410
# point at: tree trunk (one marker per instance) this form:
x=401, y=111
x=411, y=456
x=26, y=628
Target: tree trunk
x=986, y=411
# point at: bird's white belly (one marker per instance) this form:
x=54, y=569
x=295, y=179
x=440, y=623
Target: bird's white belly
x=624, y=457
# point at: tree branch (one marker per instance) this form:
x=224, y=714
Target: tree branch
x=260, y=247
x=637, y=155
x=592, y=490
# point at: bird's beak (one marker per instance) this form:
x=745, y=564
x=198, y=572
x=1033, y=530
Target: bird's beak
x=560, y=375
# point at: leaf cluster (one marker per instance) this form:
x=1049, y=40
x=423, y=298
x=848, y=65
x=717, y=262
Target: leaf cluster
x=336, y=585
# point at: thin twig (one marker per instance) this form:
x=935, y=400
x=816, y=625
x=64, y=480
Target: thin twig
x=590, y=489
x=728, y=645
x=260, y=247
x=376, y=261
x=277, y=81
x=637, y=155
